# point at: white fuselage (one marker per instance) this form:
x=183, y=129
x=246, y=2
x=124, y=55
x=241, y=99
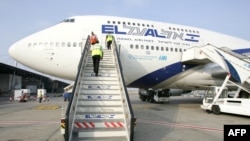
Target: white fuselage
x=150, y=51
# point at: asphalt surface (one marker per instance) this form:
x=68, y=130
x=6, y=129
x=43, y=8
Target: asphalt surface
x=180, y=120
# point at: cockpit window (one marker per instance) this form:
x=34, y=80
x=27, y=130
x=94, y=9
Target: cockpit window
x=69, y=20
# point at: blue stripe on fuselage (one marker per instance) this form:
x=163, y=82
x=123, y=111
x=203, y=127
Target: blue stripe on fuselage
x=242, y=51
x=167, y=72
x=159, y=75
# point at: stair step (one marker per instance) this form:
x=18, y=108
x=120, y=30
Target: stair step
x=90, y=70
x=107, y=110
x=100, y=87
x=100, y=97
x=100, y=68
x=103, y=139
x=105, y=92
x=81, y=125
x=103, y=134
x=99, y=78
x=100, y=103
x=99, y=116
x=100, y=74
x=101, y=65
x=84, y=82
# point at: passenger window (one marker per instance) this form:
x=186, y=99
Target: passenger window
x=171, y=49
x=176, y=50
x=180, y=50
x=157, y=48
x=152, y=47
x=57, y=44
x=69, y=44
x=74, y=44
x=162, y=48
x=136, y=46
x=147, y=47
x=46, y=44
x=29, y=45
x=131, y=46
x=51, y=44
x=142, y=47
x=63, y=44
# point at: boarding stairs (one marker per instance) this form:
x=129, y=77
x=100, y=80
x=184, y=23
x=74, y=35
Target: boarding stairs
x=237, y=65
x=100, y=108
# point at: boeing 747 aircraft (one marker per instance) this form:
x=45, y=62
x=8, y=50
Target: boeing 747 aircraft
x=150, y=52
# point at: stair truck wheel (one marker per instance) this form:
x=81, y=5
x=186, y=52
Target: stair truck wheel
x=216, y=109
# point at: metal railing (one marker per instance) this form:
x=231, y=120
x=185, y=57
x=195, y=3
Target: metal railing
x=128, y=111
x=71, y=109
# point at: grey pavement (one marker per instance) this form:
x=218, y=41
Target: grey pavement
x=180, y=120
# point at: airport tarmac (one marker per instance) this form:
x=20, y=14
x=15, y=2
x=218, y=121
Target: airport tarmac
x=180, y=120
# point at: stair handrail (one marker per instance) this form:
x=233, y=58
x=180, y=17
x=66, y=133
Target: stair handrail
x=70, y=113
x=131, y=119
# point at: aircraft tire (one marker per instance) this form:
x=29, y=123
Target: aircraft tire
x=216, y=109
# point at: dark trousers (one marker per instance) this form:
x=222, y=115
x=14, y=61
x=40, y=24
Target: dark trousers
x=109, y=44
x=40, y=99
x=96, y=60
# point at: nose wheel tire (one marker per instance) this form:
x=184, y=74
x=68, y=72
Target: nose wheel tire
x=216, y=109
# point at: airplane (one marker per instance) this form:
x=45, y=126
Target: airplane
x=150, y=51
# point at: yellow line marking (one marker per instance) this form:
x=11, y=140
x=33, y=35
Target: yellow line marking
x=47, y=107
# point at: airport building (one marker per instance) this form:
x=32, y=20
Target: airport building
x=13, y=78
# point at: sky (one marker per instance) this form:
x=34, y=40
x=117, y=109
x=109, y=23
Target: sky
x=19, y=18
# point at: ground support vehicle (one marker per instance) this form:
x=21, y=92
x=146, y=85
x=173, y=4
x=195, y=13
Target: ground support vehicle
x=158, y=96
x=218, y=101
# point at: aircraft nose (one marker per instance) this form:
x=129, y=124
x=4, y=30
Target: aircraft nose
x=12, y=51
